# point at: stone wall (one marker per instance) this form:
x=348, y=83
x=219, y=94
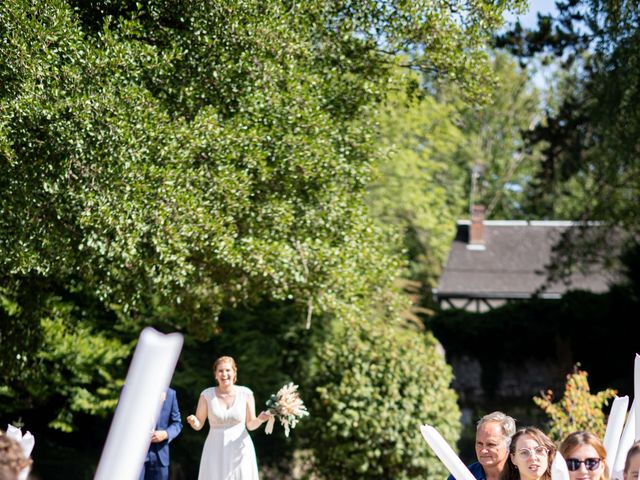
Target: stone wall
x=477, y=384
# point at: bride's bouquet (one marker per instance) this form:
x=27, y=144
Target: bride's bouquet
x=287, y=406
x=26, y=442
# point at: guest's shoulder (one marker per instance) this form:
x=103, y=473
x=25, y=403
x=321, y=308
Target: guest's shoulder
x=477, y=471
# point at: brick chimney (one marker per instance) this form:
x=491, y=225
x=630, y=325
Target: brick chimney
x=476, y=229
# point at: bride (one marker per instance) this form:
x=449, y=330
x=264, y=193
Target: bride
x=228, y=450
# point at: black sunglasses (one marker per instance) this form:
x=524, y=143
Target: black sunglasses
x=573, y=464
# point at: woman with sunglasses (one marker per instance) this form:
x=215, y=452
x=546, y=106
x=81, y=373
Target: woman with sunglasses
x=530, y=456
x=632, y=464
x=585, y=456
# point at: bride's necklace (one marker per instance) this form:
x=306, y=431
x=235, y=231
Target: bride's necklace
x=227, y=394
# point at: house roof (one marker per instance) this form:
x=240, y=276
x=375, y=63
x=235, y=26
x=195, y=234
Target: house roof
x=511, y=264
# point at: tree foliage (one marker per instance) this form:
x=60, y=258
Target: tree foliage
x=431, y=143
x=590, y=133
x=495, y=136
x=418, y=190
x=191, y=152
x=76, y=366
x=165, y=160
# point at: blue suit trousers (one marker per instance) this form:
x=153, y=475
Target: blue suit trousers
x=154, y=471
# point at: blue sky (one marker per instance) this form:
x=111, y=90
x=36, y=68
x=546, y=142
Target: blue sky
x=541, y=75
x=529, y=18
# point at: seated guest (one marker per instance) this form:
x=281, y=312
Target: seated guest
x=632, y=464
x=493, y=435
x=585, y=456
x=530, y=456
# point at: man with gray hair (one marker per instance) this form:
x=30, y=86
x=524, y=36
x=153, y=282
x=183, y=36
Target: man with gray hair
x=493, y=437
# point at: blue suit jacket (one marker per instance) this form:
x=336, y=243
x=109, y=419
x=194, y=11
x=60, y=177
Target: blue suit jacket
x=476, y=470
x=170, y=421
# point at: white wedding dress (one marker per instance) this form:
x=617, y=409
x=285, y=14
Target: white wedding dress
x=228, y=452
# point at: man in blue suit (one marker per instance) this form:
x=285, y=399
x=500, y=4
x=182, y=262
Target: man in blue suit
x=169, y=425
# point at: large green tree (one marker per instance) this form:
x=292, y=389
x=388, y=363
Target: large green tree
x=419, y=189
x=432, y=142
x=165, y=160
x=590, y=133
x=496, y=133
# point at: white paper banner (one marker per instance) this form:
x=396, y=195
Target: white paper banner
x=628, y=435
x=445, y=453
x=636, y=393
x=154, y=361
x=615, y=424
x=559, y=470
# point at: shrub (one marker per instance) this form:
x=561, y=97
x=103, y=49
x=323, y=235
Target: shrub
x=577, y=410
x=375, y=385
